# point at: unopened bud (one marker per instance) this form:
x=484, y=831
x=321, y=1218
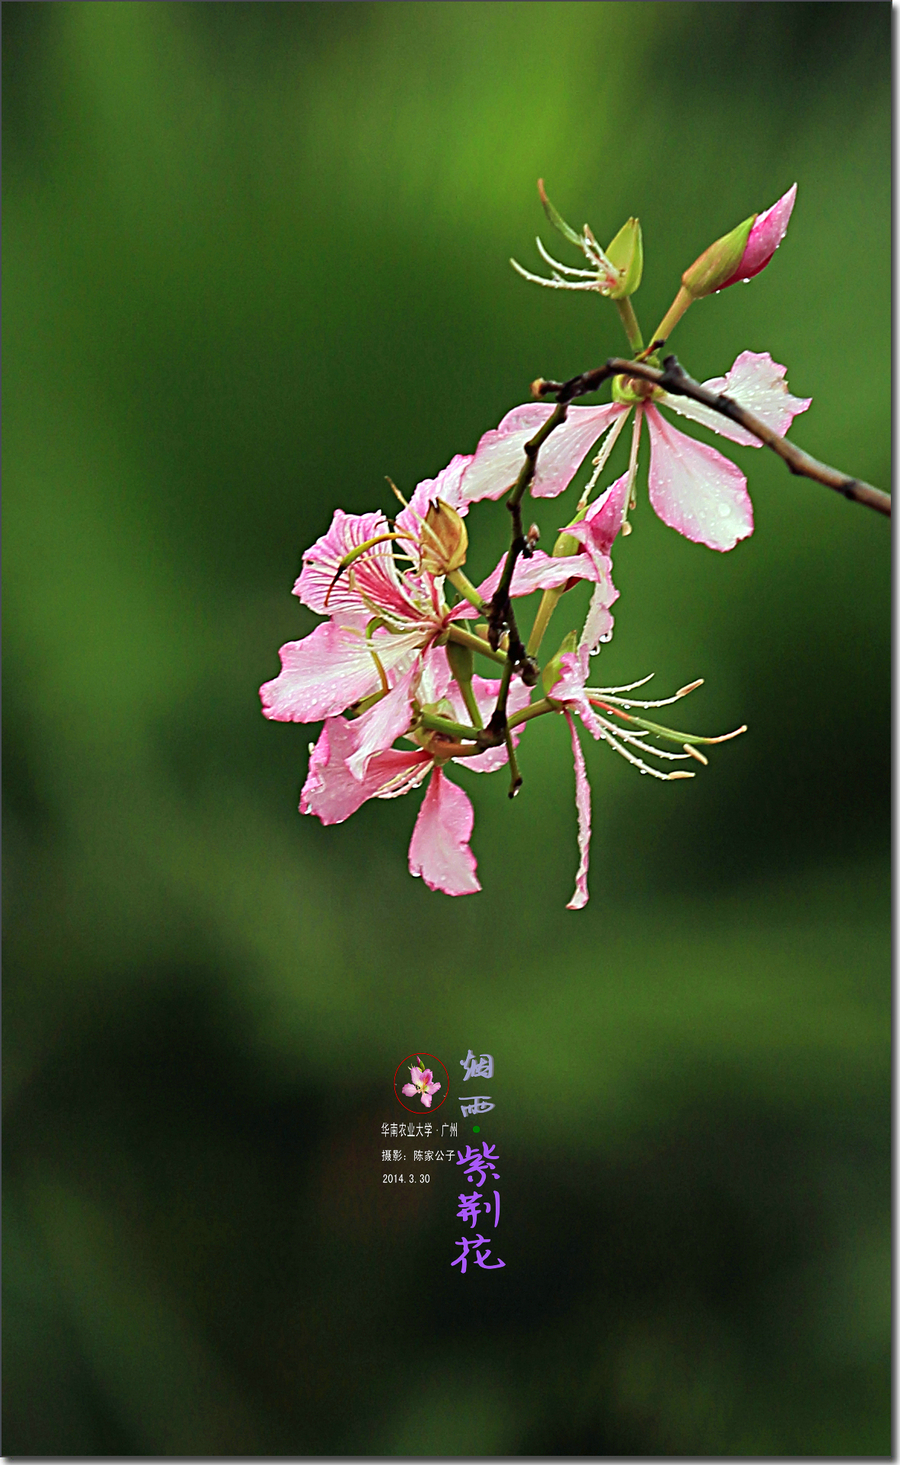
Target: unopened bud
x=627, y=254
x=744, y=252
x=445, y=540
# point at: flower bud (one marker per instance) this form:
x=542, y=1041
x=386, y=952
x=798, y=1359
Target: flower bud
x=444, y=541
x=743, y=253
x=627, y=254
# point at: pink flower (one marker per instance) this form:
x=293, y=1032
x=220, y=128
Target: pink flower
x=692, y=487
x=602, y=711
x=339, y=782
x=382, y=620
x=740, y=254
x=422, y=1084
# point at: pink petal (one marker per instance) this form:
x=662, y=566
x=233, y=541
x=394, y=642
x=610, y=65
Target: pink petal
x=439, y=849
x=375, y=569
x=434, y=676
x=598, y=625
x=416, y=1076
x=767, y=233
x=426, y=1100
x=447, y=486
x=333, y=794
x=486, y=690
x=694, y=489
x=541, y=572
x=378, y=728
x=329, y=670
x=432, y=1088
x=756, y=382
x=569, y=689
x=603, y=520
x=501, y=452
x=426, y=1076
x=410, y=1090
x=583, y=805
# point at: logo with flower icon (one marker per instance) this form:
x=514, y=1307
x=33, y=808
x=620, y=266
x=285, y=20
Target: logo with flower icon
x=423, y=1085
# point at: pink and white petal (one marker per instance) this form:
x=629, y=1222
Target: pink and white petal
x=378, y=728
x=569, y=689
x=598, y=625
x=329, y=670
x=435, y=677
x=426, y=1100
x=583, y=806
x=540, y=572
x=756, y=382
x=501, y=451
x=694, y=489
x=432, y=1088
x=410, y=1090
x=486, y=690
x=333, y=794
x=347, y=532
x=416, y=1075
x=439, y=849
x=769, y=228
x=603, y=520
x=447, y=487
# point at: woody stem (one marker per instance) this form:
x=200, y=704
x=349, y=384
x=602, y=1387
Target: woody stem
x=672, y=378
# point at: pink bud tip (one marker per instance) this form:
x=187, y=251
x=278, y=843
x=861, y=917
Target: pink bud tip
x=768, y=230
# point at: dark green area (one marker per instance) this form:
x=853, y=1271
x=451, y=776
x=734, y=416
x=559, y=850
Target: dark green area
x=255, y=259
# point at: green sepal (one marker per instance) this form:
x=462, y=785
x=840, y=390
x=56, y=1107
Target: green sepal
x=719, y=262
x=553, y=670
x=627, y=254
x=556, y=218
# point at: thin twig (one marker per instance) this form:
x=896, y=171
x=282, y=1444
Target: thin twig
x=672, y=378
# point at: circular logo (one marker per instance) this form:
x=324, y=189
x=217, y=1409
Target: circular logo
x=421, y=1083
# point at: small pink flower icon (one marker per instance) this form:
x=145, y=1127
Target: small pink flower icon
x=422, y=1084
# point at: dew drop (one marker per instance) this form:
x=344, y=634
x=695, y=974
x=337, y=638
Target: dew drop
x=724, y=510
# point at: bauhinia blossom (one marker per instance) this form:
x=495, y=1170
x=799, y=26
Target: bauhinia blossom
x=422, y=1084
x=610, y=717
x=337, y=784
x=390, y=671
x=693, y=488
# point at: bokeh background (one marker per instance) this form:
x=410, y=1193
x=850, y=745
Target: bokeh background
x=255, y=259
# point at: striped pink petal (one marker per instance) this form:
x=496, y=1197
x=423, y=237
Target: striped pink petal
x=439, y=849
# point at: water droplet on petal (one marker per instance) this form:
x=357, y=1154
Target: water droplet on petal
x=724, y=510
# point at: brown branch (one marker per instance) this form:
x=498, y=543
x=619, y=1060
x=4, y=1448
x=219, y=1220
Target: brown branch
x=501, y=611
x=675, y=380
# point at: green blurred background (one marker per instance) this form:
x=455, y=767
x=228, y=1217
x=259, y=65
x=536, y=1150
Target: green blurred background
x=255, y=258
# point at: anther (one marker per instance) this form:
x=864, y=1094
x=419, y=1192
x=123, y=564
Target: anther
x=695, y=753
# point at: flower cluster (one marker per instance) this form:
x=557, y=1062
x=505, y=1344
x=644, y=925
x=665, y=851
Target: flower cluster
x=390, y=670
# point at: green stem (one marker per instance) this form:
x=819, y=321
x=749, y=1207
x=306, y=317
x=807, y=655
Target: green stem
x=545, y=610
x=472, y=707
x=673, y=315
x=629, y=321
x=475, y=643
x=466, y=589
x=458, y=730
x=536, y=709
